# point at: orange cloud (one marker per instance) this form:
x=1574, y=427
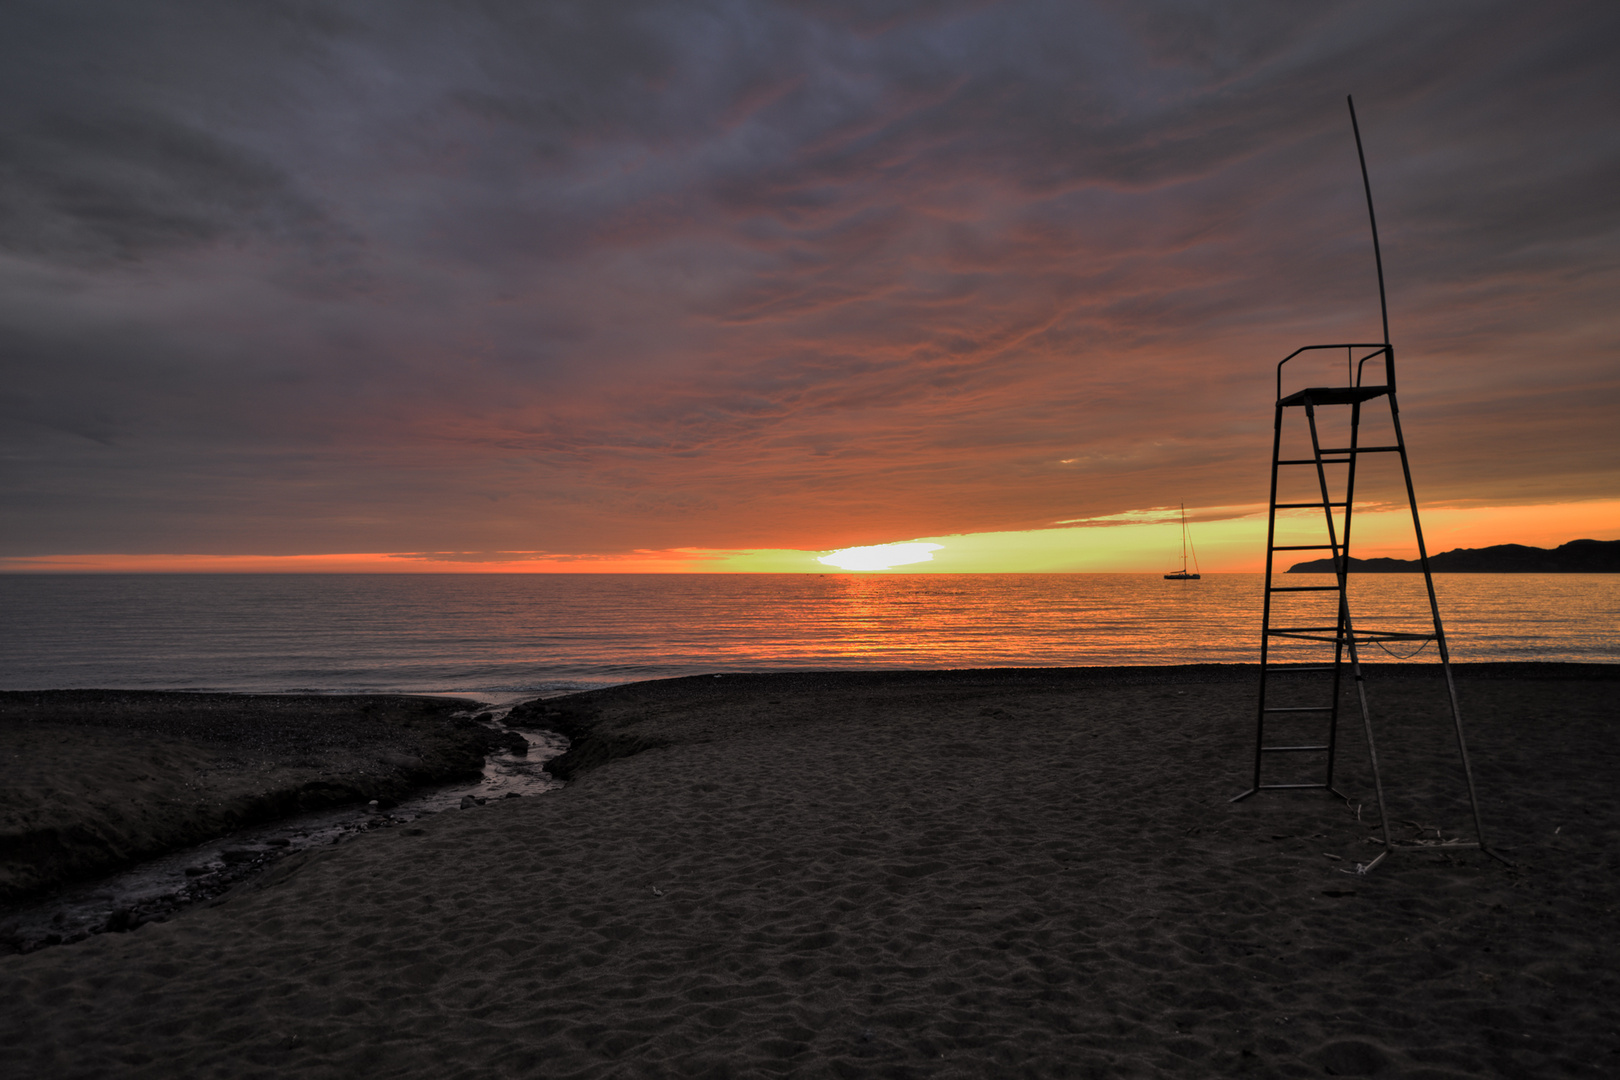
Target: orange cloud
x=777, y=278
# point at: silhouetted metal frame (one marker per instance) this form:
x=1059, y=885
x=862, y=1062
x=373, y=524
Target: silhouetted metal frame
x=1343, y=635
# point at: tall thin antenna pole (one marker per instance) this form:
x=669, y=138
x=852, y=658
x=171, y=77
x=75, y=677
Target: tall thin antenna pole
x=1378, y=257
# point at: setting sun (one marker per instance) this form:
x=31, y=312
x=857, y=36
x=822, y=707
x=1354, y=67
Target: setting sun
x=880, y=556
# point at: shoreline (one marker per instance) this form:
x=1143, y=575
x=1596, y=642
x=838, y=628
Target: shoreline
x=595, y=740
x=926, y=874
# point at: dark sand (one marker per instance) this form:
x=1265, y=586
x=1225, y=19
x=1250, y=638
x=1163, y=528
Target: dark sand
x=95, y=780
x=954, y=874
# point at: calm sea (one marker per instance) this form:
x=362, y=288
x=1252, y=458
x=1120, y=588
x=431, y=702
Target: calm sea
x=498, y=635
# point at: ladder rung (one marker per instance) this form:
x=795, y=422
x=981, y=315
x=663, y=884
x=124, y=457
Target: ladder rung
x=1304, y=506
x=1297, y=670
x=1302, y=708
x=1288, y=787
x=1303, y=633
x=1288, y=749
x=1305, y=547
x=1313, y=461
x=1363, y=450
x=1303, y=588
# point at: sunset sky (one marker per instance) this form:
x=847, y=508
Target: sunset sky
x=726, y=286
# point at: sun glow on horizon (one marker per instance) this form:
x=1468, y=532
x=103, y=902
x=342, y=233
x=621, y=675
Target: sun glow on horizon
x=1230, y=539
x=880, y=556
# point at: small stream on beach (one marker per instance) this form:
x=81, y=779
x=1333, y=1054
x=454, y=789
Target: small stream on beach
x=156, y=889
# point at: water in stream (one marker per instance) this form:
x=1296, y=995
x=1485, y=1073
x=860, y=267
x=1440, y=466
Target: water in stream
x=156, y=889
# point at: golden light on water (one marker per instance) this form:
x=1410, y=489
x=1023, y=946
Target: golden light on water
x=880, y=556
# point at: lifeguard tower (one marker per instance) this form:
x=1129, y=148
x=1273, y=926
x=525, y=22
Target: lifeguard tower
x=1333, y=417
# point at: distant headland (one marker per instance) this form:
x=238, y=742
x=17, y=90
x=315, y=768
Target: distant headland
x=1575, y=557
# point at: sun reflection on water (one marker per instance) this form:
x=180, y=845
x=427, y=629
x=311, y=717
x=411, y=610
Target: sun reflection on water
x=533, y=632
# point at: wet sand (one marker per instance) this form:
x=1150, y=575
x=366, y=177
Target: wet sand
x=940, y=874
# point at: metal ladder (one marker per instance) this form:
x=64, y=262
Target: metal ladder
x=1345, y=639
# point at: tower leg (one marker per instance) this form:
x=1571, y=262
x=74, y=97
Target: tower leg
x=1439, y=630
x=1265, y=616
x=1372, y=755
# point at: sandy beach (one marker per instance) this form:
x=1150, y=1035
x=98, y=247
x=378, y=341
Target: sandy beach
x=1000, y=873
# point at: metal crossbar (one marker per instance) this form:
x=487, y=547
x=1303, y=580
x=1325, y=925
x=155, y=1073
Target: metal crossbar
x=1344, y=636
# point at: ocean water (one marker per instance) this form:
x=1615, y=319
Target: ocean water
x=503, y=635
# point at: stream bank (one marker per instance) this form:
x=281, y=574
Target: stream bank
x=120, y=807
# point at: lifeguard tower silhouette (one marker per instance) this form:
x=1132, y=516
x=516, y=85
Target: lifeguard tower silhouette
x=1335, y=453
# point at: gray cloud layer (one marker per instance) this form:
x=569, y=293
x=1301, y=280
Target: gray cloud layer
x=290, y=276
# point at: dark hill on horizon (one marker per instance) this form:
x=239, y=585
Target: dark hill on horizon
x=1575, y=557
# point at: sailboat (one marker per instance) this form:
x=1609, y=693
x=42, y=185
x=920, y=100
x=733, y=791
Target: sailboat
x=1186, y=545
